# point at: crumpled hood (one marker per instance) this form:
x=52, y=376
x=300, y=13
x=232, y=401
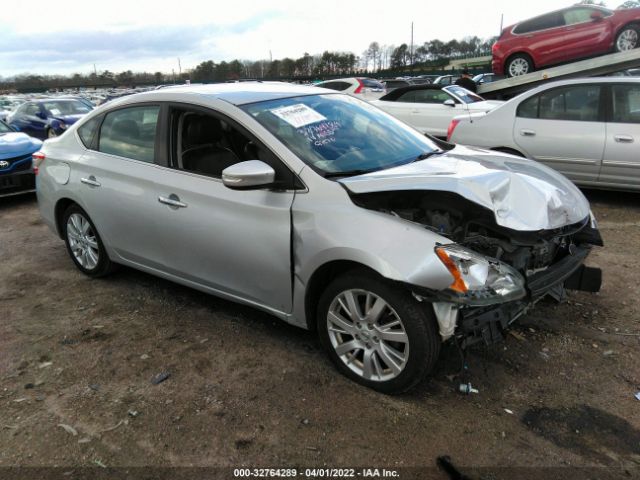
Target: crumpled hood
x=523, y=194
x=15, y=144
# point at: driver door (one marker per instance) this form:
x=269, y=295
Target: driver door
x=233, y=242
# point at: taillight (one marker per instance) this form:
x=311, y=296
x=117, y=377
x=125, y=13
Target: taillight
x=360, y=86
x=452, y=126
x=37, y=159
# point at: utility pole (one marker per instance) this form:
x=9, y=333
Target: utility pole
x=411, y=48
x=179, y=67
x=501, y=22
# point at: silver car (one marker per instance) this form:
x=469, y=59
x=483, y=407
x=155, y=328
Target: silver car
x=322, y=210
x=588, y=129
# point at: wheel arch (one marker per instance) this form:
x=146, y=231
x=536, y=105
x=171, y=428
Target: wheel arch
x=58, y=212
x=321, y=278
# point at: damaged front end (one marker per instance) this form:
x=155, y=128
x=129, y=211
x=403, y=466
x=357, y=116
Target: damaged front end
x=498, y=272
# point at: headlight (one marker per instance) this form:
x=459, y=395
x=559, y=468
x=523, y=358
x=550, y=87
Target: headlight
x=478, y=280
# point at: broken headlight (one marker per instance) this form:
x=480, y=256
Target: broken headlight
x=478, y=280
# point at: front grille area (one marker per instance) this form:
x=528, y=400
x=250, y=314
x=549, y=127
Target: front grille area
x=16, y=164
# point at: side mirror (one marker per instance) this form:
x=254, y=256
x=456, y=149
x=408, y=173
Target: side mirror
x=449, y=103
x=249, y=174
x=595, y=16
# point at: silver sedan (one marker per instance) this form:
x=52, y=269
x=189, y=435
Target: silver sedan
x=322, y=210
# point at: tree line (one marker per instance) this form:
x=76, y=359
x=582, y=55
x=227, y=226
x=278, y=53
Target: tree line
x=382, y=60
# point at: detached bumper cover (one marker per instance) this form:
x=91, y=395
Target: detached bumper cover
x=487, y=324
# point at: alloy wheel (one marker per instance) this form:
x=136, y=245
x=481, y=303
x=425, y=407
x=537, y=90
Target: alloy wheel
x=83, y=241
x=368, y=335
x=518, y=66
x=627, y=40
x=51, y=133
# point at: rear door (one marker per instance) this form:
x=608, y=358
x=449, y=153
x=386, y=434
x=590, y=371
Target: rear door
x=621, y=163
x=544, y=37
x=115, y=178
x=564, y=128
x=583, y=35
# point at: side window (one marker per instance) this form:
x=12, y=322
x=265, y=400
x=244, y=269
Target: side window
x=578, y=103
x=330, y=85
x=430, y=96
x=88, y=131
x=340, y=86
x=32, y=109
x=543, y=22
x=626, y=104
x=409, y=97
x=528, y=108
x=130, y=133
x=577, y=15
x=206, y=145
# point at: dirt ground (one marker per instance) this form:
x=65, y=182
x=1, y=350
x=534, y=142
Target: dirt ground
x=77, y=357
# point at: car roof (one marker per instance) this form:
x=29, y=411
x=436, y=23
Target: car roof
x=395, y=94
x=241, y=93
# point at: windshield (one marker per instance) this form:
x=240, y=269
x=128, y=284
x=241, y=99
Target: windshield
x=66, y=107
x=4, y=128
x=338, y=133
x=463, y=94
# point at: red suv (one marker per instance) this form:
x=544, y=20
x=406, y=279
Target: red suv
x=564, y=35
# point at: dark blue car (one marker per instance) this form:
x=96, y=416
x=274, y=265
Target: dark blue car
x=47, y=118
x=16, y=170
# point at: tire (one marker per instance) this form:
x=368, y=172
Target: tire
x=51, y=133
x=628, y=38
x=370, y=347
x=519, y=64
x=84, y=244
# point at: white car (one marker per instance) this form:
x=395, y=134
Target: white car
x=360, y=87
x=588, y=129
x=430, y=108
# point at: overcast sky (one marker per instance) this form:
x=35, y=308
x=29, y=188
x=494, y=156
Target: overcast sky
x=71, y=36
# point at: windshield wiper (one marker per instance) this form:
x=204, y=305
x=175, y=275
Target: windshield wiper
x=348, y=173
x=425, y=155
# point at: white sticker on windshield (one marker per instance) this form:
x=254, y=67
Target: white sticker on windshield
x=55, y=111
x=298, y=115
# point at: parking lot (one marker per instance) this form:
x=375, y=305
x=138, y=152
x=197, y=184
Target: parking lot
x=79, y=355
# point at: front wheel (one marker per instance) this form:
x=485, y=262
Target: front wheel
x=376, y=333
x=627, y=39
x=51, y=133
x=84, y=244
x=518, y=65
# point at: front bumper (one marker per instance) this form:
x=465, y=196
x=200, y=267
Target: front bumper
x=487, y=324
x=17, y=183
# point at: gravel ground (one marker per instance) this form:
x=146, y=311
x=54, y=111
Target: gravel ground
x=78, y=357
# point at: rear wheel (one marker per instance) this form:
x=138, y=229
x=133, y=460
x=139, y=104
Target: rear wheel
x=84, y=244
x=51, y=133
x=376, y=333
x=627, y=39
x=517, y=65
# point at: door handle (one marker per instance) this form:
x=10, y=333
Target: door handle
x=90, y=181
x=173, y=201
x=415, y=111
x=623, y=138
x=527, y=133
